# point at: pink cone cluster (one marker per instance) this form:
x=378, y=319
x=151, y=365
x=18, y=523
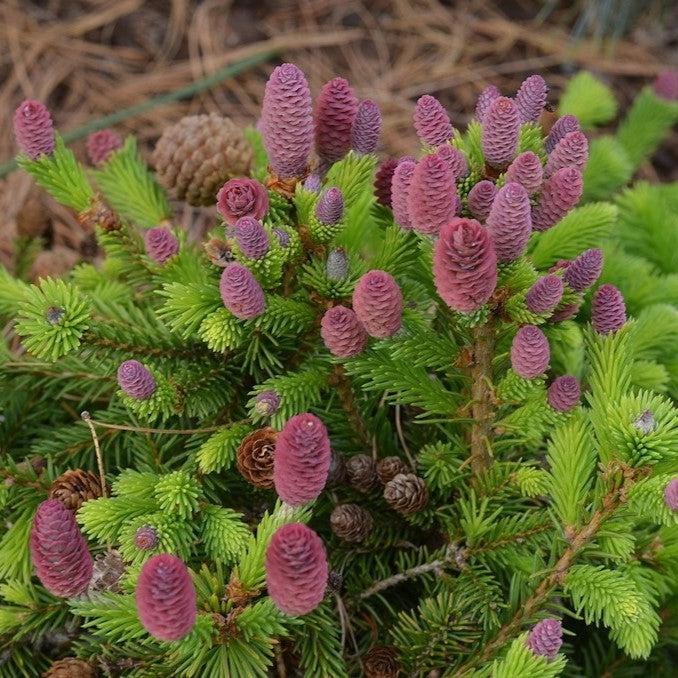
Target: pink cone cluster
x=545, y=638
x=431, y=121
x=400, y=192
x=564, y=393
x=545, y=294
x=455, y=159
x=432, y=195
x=34, y=129
x=530, y=353
x=608, y=311
x=242, y=197
x=336, y=108
x=531, y=98
x=135, y=380
x=161, y=244
x=251, y=237
x=165, y=597
x=509, y=222
x=296, y=569
x=302, y=459
x=287, y=121
x=485, y=98
x=342, y=332
x=501, y=129
x=330, y=207
x=571, y=151
x=671, y=494
x=561, y=128
x=527, y=171
x=267, y=403
x=480, y=199
x=583, y=271
x=378, y=303
x=559, y=194
x=383, y=179
x=59, y=551
x=366, y=128
x=101, y=144
x=241, y=293
x=464, y=265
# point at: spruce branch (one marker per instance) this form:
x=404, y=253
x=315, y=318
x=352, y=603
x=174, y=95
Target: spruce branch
x=347, y=399
x=97, y=448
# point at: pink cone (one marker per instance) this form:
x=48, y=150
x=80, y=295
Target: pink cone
x=509, y=222
x=366, y=128
x=432, y=195
x=527, y=171
x=34, y=129
x=241, y=293
x=336, y=108
x=455, y=159
x=330, y=207
x=564, y=393
x=342, y=332
x=564, y=125
x=571, y=151
x=378, y=303
x=545, y=638
x=480, y=199
x=161, y=244
x=531, y=98
x=135, y=380
x=383, y=179
x=431, y=121
x=401, y=187
x=242, y=197
x=608, y=311
x=671, y=494
x=666, y=85
x=545, y=294
x=101, y=144
x=530, y=353
x=485, y=99
x=251, y=237
x=559, y=195
x=583, y=271
x=501, y=129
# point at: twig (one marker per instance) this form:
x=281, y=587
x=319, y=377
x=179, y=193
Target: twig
x=347, y=399
x=401, y=437
x=142, y=429
x=97, y=448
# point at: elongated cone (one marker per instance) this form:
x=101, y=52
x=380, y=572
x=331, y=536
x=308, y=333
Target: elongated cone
x=480, y=199
x=608, y=311
x=581, y=273
x=383, y=179
x=561, y=127
x=400, y=193
x=531, y=98
x=564, y=393
x=527, y=171
x=510, y=223
x=455, y=159
x=330, y=207
x=101, y=144
x=431, y=121
x=530, y=353
x=545, y=294
x=571, y=151
x=241, y=293
x=378, y=303
x=485, y=98
x=560, y=193
x=366, y=128
x=501, y=129
x=342, y=332
x=336, y=109
x=34, y=129
x=251, y=237
x=432, y=195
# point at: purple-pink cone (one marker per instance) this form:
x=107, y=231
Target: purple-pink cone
x=527, y=171
x=401, y=186
x=251, y=237
x=531, y=98
x=146, y=538
x=455, y=159
x=296, y=569
x=301, y=460
x=559, y=195
x=545, y=638
x=101, y=144
x=59, y=551
x=571, y=151
x=135, y=380
x=564, y=125
x=330, y=207
x=608, y=311
x=464, y=265
x=545, y=294
x=342, y=332
x=378, y=303
x=485, y=98
x=242, y=197
x=431, y=121
x=666, y=85
x=335, y=111
x=287, y=121
x=267, y=403
x=501, y=128
x=161, y=244
x=671, y=494
x=480, y=199
x=530, y=353
x=432, y=195
x=383, y=179
x=312, y=183
x=564, y=393
x=165, y=596
x=509, y=222
x=241, y=293
x=366, y=128
x=34, y=129
x=583, y=271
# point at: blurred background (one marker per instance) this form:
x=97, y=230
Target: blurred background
x=91, y=58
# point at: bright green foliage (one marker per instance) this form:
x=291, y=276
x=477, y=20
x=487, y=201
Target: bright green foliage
x=520, y=661
x=589, y=99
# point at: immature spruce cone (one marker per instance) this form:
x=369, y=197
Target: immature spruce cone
x=312, y=183
x=530, y=352
x=101, y=144
x=366, y=128
x=342, y=332
x=406, y=493
x=70, y=667
x=666, y=85
x=545, y=294
x=330, y=207
x=501, y=129
x=255, y=457
x=545, y=638
x=432, y=195
x=671, y=494
x=389, y=467
x=455, y=159
x=381, y=662
x=267, y=403
x=74, y=488
x=241, y=293
x=531, y=98
x=146, y=538
x=336, y=108
x=583, y=271
x=480, y=199
x=361, y=472
x=559, y=194
x=378, y=303
x=561, y=127
x=564, y=393
x=401, y=185
x=383, y=179
x=571, y=151
x=485, y=98
x=251, y=237
x=136, y=380
x=431, y=121
x=509, y=222
x=336, y=266
x=351, y=522
x=608, y=311
x=34, y=129
x=196, y=156
x=161, y=244
x=527, y=171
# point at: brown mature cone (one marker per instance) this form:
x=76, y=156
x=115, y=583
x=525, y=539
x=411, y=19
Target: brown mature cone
x=69, y=668
x=406, y=493
x=389, y=467
x=351, y=522
x=337, y=472
x=361, y=472
x=74, y=488
x=255, y=457
x=107, y=572
x=381, y=662
x=196, y=156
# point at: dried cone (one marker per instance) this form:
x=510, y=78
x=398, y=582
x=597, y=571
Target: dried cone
x=197, y=155
x=381, y=662
x=351, y=522
x=389, y=467
x=406, y=493
x=108, y=569
x=255, y=457
x=70, y=667
x=74, y=488
x=361, y=472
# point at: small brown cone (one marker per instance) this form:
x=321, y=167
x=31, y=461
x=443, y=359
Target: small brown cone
x=337, y=472
x=361, y=472
x=108, y=569
x=74, y=488
x=381, y=662
x=255, y=457
x=196, y=156
x=406, y=493
x=389, y=467
x=351, y=522
x=69, y=668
